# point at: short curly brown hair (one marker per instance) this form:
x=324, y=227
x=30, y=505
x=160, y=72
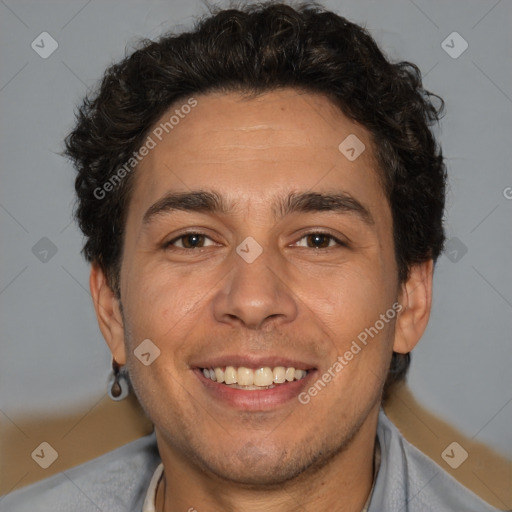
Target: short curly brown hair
x=253, y=49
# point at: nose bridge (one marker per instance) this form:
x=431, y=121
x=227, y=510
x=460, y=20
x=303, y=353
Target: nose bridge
x=253, y=293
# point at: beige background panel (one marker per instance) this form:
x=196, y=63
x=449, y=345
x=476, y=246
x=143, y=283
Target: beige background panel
x=77, y=439
x=485, y=472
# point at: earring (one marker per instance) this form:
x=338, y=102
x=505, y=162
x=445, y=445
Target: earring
x=118, y=385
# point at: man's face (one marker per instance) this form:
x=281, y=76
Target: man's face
x=210, y=300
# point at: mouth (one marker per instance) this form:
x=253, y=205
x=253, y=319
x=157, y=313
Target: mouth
x=254, y=387
x=252, y=379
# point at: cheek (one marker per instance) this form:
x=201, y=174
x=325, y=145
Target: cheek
x=157, y=300
x=349, y=297
x=158, y=309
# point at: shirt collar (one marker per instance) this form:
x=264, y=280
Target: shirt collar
x=149, y=501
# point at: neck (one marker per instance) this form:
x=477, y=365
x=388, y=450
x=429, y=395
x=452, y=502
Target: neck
x=341, y=485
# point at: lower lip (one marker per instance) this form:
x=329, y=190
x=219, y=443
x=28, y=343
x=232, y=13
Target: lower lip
x=255, y=400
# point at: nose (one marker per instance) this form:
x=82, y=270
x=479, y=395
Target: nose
x=254, y=295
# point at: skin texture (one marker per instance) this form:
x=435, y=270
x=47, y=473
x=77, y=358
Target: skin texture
x=296, y=300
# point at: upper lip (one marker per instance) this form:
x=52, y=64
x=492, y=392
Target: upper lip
x=249, y=361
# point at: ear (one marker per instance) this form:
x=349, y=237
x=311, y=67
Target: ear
x=416, y=299
x=108, y=313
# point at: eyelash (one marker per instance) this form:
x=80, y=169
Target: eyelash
x=331, y=237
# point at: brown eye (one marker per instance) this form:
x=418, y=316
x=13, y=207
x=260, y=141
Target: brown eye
x=189, y=241
x=319, y=240
x=193, y=240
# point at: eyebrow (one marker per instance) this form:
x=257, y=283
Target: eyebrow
x=295, y=202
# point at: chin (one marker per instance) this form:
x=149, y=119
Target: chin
x=260, y=473
x=253, y=466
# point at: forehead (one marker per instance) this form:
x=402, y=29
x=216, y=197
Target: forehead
x=255, y=148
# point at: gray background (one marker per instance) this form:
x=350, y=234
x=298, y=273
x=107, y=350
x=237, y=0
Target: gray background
x=53, y=357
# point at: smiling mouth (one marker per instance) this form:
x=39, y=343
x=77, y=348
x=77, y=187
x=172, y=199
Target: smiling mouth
x=254, y=379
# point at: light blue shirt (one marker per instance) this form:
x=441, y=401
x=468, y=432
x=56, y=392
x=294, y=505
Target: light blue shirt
x=407, y=481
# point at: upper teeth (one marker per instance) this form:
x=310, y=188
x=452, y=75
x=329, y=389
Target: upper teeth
x=261, y=377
